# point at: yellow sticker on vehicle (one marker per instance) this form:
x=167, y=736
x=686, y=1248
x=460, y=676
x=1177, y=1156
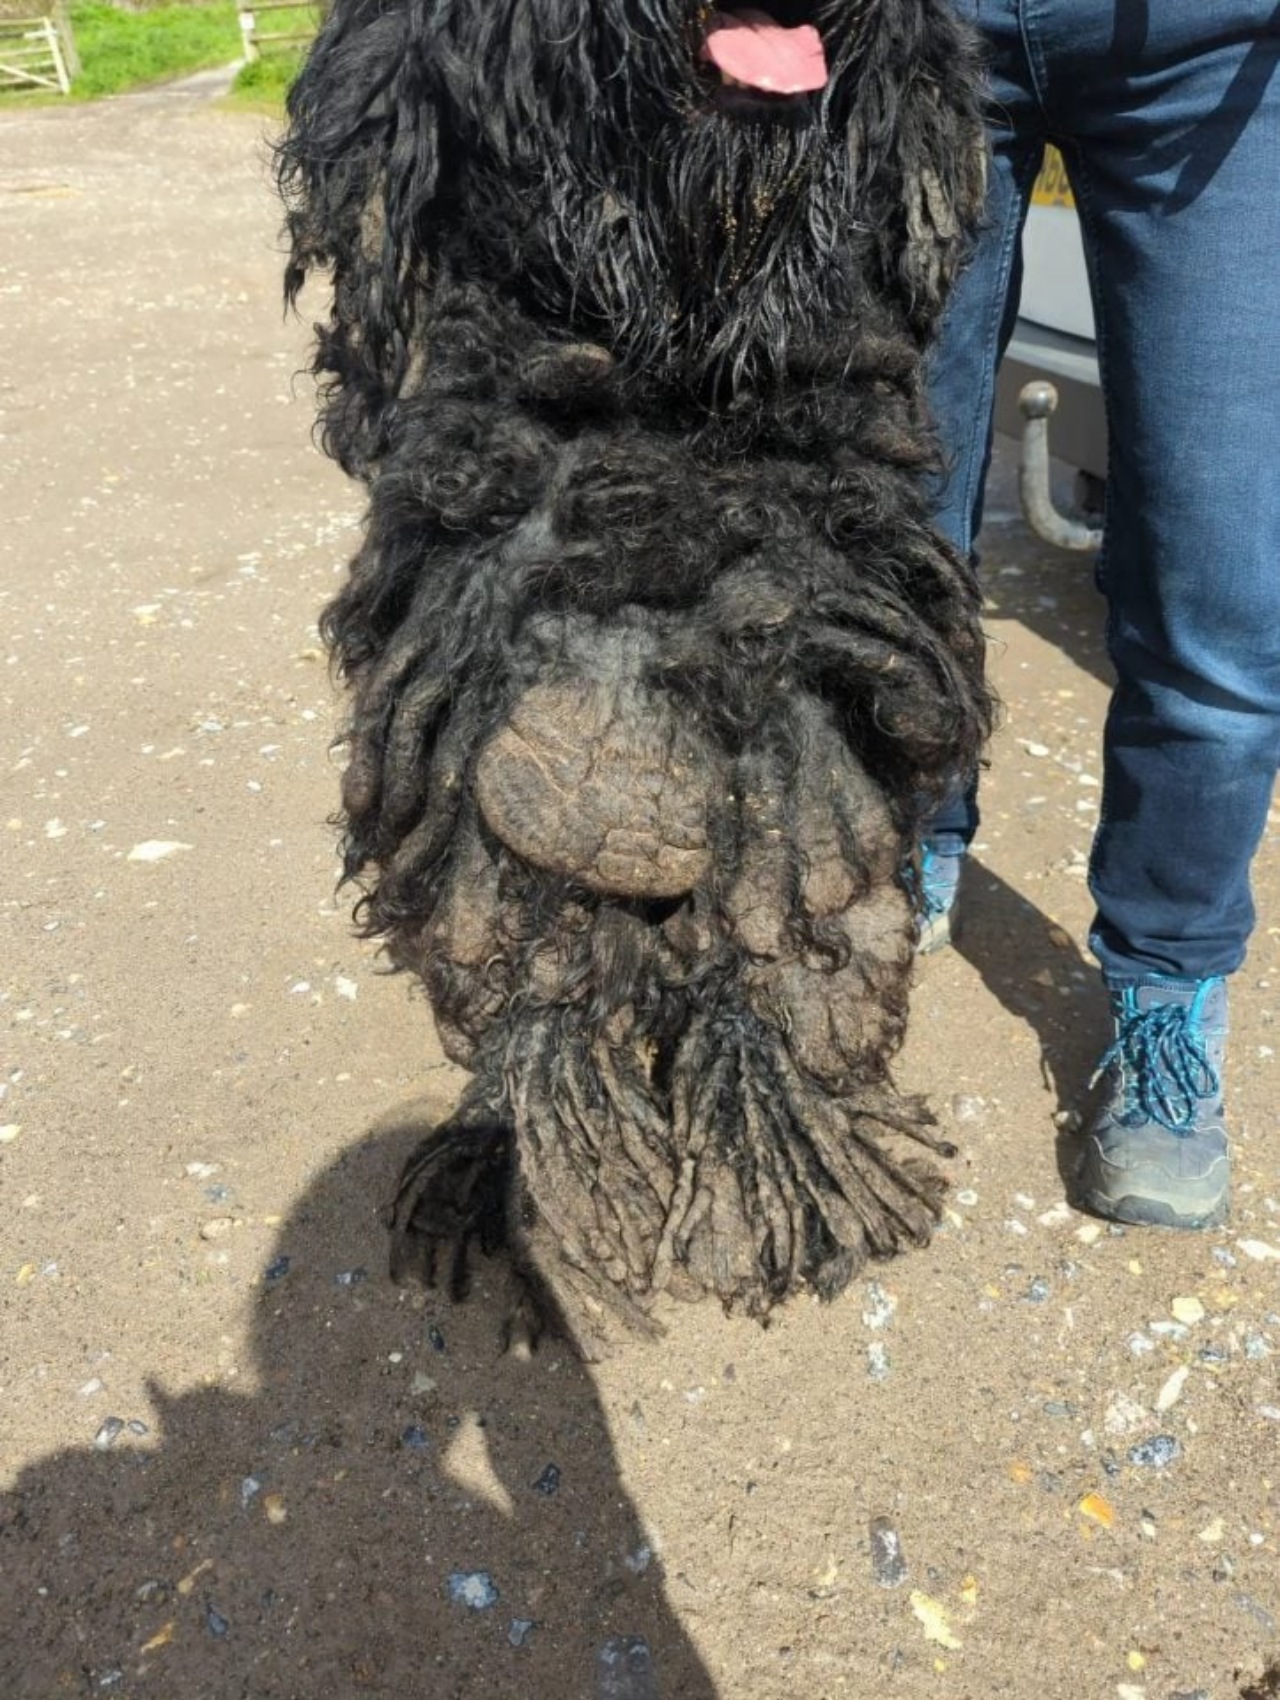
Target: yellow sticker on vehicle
x=1052, y=188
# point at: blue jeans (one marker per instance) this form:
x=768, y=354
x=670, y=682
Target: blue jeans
x=1168, y=115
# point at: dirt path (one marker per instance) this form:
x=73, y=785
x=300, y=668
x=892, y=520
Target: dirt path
x=243, y=1466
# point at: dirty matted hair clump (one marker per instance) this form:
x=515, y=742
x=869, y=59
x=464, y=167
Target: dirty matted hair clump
x=654, y=656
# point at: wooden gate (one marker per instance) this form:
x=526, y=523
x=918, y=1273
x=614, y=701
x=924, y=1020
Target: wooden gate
x=31, y=55
x=255, y=41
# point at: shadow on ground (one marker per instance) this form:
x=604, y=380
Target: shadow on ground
x=1038, y=972
x=1052, y=593
x=399, y=1509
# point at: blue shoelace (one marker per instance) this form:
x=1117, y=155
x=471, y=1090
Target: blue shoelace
x=1165, y=1065
x=938, y=881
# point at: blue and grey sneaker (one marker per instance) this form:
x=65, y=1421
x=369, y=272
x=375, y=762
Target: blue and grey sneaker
x=937, y=884
x=1156, y=1151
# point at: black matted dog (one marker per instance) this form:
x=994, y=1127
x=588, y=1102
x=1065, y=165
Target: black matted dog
x=654, y=656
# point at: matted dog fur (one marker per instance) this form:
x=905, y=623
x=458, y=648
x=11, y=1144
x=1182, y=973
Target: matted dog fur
x=654, y=657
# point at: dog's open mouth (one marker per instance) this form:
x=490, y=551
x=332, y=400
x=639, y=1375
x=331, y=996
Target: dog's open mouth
x=779, y=53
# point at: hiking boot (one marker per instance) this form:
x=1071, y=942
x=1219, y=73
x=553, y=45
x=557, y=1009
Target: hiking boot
x=936, y=884
x=1156, y=1151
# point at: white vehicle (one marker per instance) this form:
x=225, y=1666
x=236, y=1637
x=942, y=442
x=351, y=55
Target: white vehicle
x=1050, y=368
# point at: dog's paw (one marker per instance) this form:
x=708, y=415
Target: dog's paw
x=452, y=1194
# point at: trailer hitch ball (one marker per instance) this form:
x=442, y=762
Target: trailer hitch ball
x=1037, y=401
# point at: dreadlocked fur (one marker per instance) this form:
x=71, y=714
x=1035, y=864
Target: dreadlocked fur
x=654, y=656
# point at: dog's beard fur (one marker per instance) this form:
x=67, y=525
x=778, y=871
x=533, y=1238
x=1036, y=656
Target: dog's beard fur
x=655, y=657
x=733, y=249
x=571, y=153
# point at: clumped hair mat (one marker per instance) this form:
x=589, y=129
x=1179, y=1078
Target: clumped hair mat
x=654, y=658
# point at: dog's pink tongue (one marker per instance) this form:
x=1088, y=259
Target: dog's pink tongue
x=749, y=47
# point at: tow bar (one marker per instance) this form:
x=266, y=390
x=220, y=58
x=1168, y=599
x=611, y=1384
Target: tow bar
x=1037, y=401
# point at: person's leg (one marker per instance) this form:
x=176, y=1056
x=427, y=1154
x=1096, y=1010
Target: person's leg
x=984, y=302
x=1170, y=118
x=962, y=372
x=1177, y=197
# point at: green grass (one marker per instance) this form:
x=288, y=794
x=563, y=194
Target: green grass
x=124, y=50
x=263, y=84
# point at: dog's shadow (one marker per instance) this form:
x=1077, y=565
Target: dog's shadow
x=1037, y=971
x=398, y=1509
